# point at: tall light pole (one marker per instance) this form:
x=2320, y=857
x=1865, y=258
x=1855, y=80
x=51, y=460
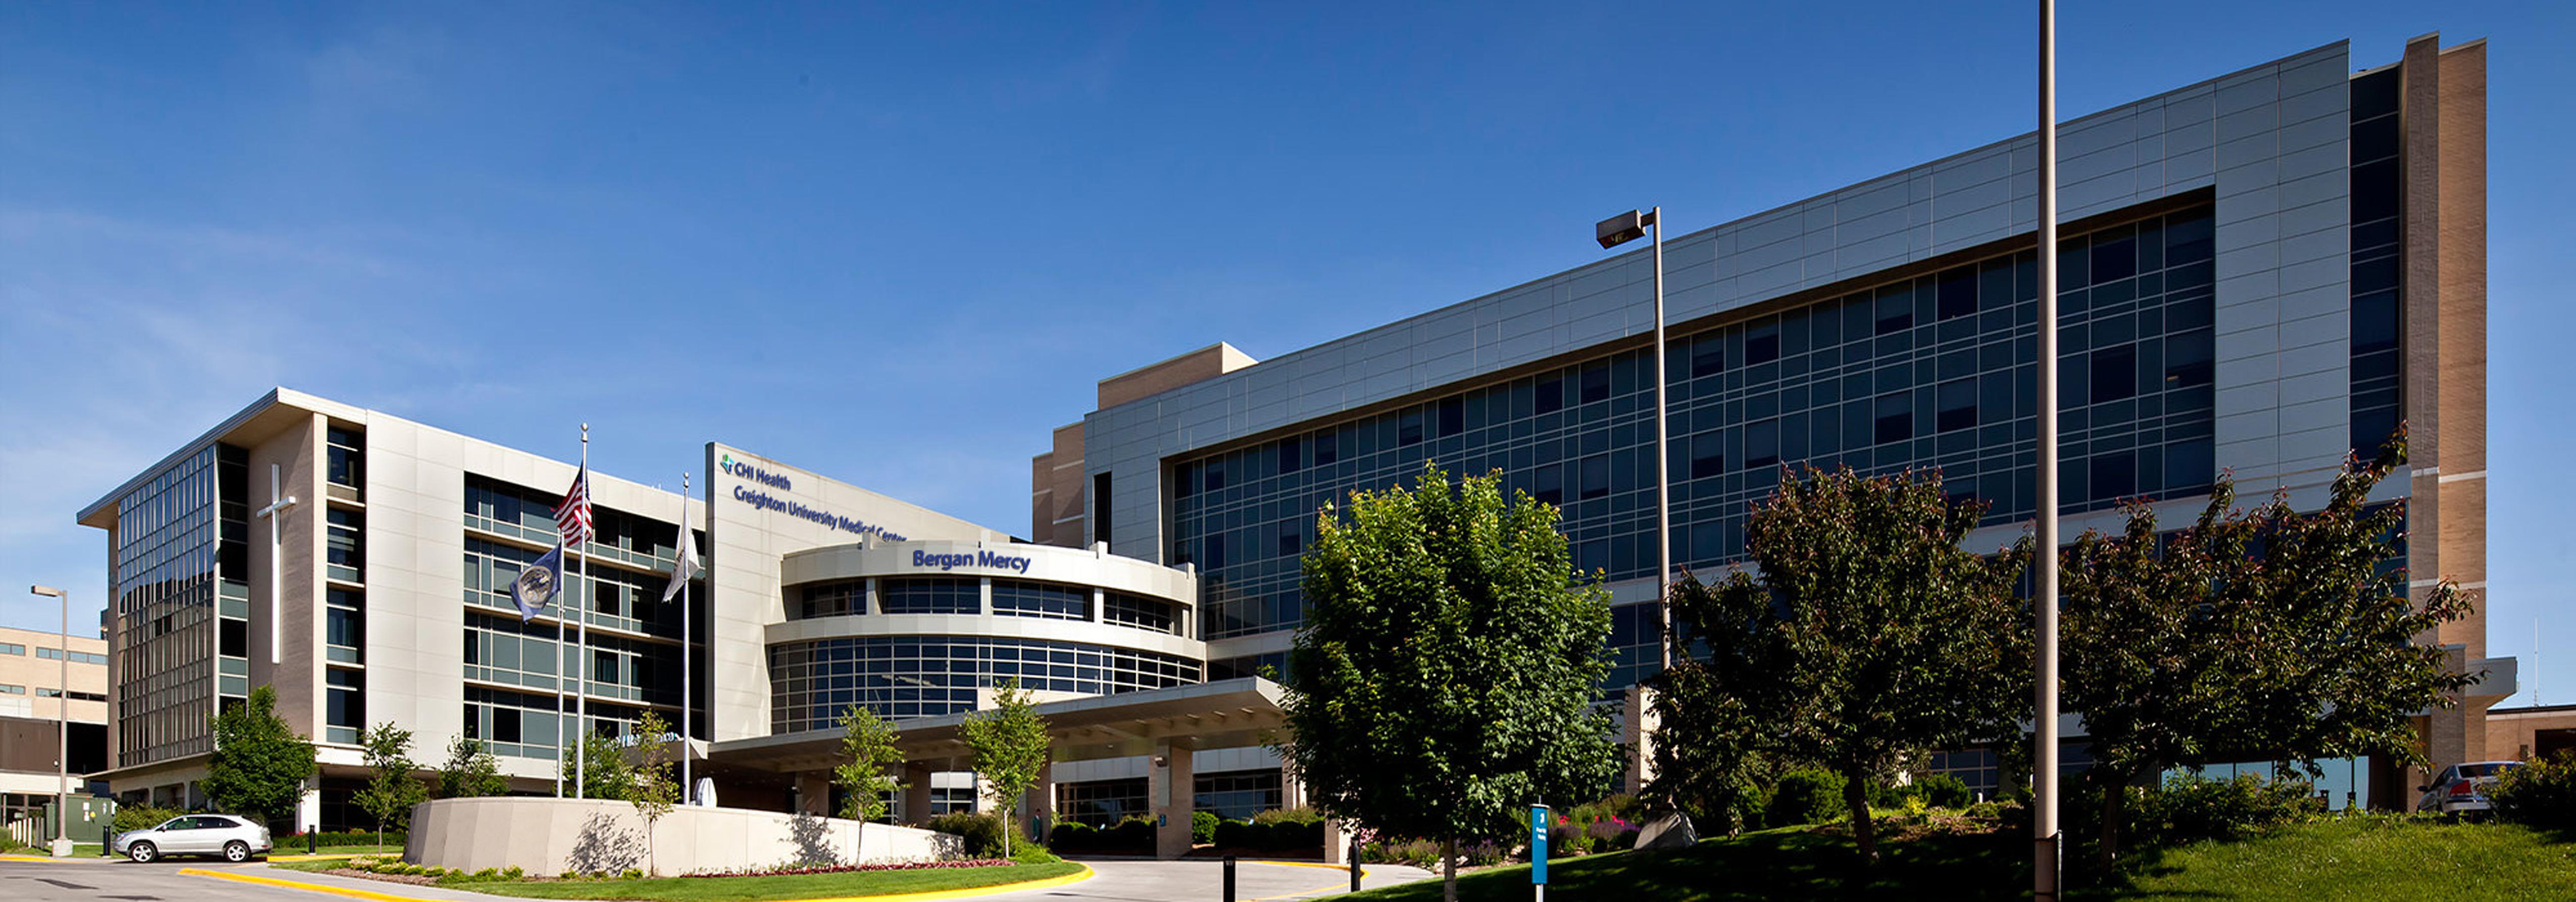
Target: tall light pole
x=63, y=731
x=2044, y=834
x=1612, y=232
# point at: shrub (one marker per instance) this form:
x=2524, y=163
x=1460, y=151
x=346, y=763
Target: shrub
x=1627, y=839
x=1073, y=836
x=1945, y=791
x=982, y=832
x=2540, y=794
x=1805, y=797
x=137, y=817
x=1289, y=835
x=1202, y=827
x=1888, y=795
x=632, y=874
x=1032, y=853
x=1134, y=834
x=2189, y=808
x=1420, y=853
x=1300, y=815
x=1233, y=835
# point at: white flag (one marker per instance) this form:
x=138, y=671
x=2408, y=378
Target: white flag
x=687, y=568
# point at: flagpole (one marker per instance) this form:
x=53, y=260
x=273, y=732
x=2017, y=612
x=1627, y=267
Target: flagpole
x=581, y=634
x=679, y=568
x=559, y=733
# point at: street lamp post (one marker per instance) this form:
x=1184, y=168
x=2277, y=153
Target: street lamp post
x=62, y=847
x=2046, y=856
x=1612, y=232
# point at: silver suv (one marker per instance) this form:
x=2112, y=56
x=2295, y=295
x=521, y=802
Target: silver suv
x=234, y=838
x=2462, y=788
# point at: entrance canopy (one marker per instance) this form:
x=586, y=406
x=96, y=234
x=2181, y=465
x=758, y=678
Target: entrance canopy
x=1222, y=714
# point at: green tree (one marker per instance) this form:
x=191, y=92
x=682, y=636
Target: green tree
x=867, y=751
x=260, y=764
x=1445, y=671
x=1717, y=712
x=1008, y=744
x=2263, y=633
x=1867, y=636
x=391, y=787
x=471, y=771
x=608, y=775
x=653, y=790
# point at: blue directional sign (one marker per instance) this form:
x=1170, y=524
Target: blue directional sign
x=1539, y=821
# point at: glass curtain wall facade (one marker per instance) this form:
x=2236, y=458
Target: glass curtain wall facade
x=180, y=560
x=2377, y=307
x=1930, y=371
x=812, y=682
x=518, y=697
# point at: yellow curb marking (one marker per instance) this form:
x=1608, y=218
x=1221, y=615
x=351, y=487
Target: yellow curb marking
x=1068, y=879
x=310, y=887
x=39, y=858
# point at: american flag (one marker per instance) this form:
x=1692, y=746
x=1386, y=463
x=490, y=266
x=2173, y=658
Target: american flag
x=573, y=518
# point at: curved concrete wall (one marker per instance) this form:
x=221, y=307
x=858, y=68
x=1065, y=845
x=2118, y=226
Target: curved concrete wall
x=551, y=836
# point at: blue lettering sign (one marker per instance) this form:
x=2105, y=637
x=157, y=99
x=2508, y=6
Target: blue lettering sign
x=986, y=559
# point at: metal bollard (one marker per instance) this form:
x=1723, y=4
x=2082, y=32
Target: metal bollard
x=1229, y=878
x=1355, y=864
x=309, y=839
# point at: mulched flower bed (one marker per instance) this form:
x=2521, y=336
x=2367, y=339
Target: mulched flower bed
x=853, y=868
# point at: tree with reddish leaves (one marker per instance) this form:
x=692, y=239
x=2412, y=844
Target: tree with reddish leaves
x=2263, y=633
x=1866, y=636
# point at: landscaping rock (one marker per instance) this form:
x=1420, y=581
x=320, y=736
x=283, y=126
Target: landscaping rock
x=1672, y=831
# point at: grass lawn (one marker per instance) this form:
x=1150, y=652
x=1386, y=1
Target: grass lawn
x=2364, y=859
x=758, y=889
x=2370, y=859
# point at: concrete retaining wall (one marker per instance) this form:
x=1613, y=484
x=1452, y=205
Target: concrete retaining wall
x=551, y=836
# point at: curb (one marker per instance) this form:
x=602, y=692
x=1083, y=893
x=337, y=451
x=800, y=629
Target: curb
x=1085, y=874
x=1048, y=883
x=308, y=887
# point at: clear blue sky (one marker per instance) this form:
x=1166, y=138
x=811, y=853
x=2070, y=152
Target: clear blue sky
x=898, y=246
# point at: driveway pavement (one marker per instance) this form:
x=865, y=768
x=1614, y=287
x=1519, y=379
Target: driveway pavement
x=1204, y=881
x=118, y=880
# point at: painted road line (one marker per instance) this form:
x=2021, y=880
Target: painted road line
x=1085, y=874
x=308, y=887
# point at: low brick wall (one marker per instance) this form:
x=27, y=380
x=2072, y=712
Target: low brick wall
x=551, y=836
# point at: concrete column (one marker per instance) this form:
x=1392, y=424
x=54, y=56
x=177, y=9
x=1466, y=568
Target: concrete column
x=814, y=793
x=1039, y=805
x=1292, y=791
x=1172, y=793
x=916, y=793
x=308, y=810
x=1337, y=844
